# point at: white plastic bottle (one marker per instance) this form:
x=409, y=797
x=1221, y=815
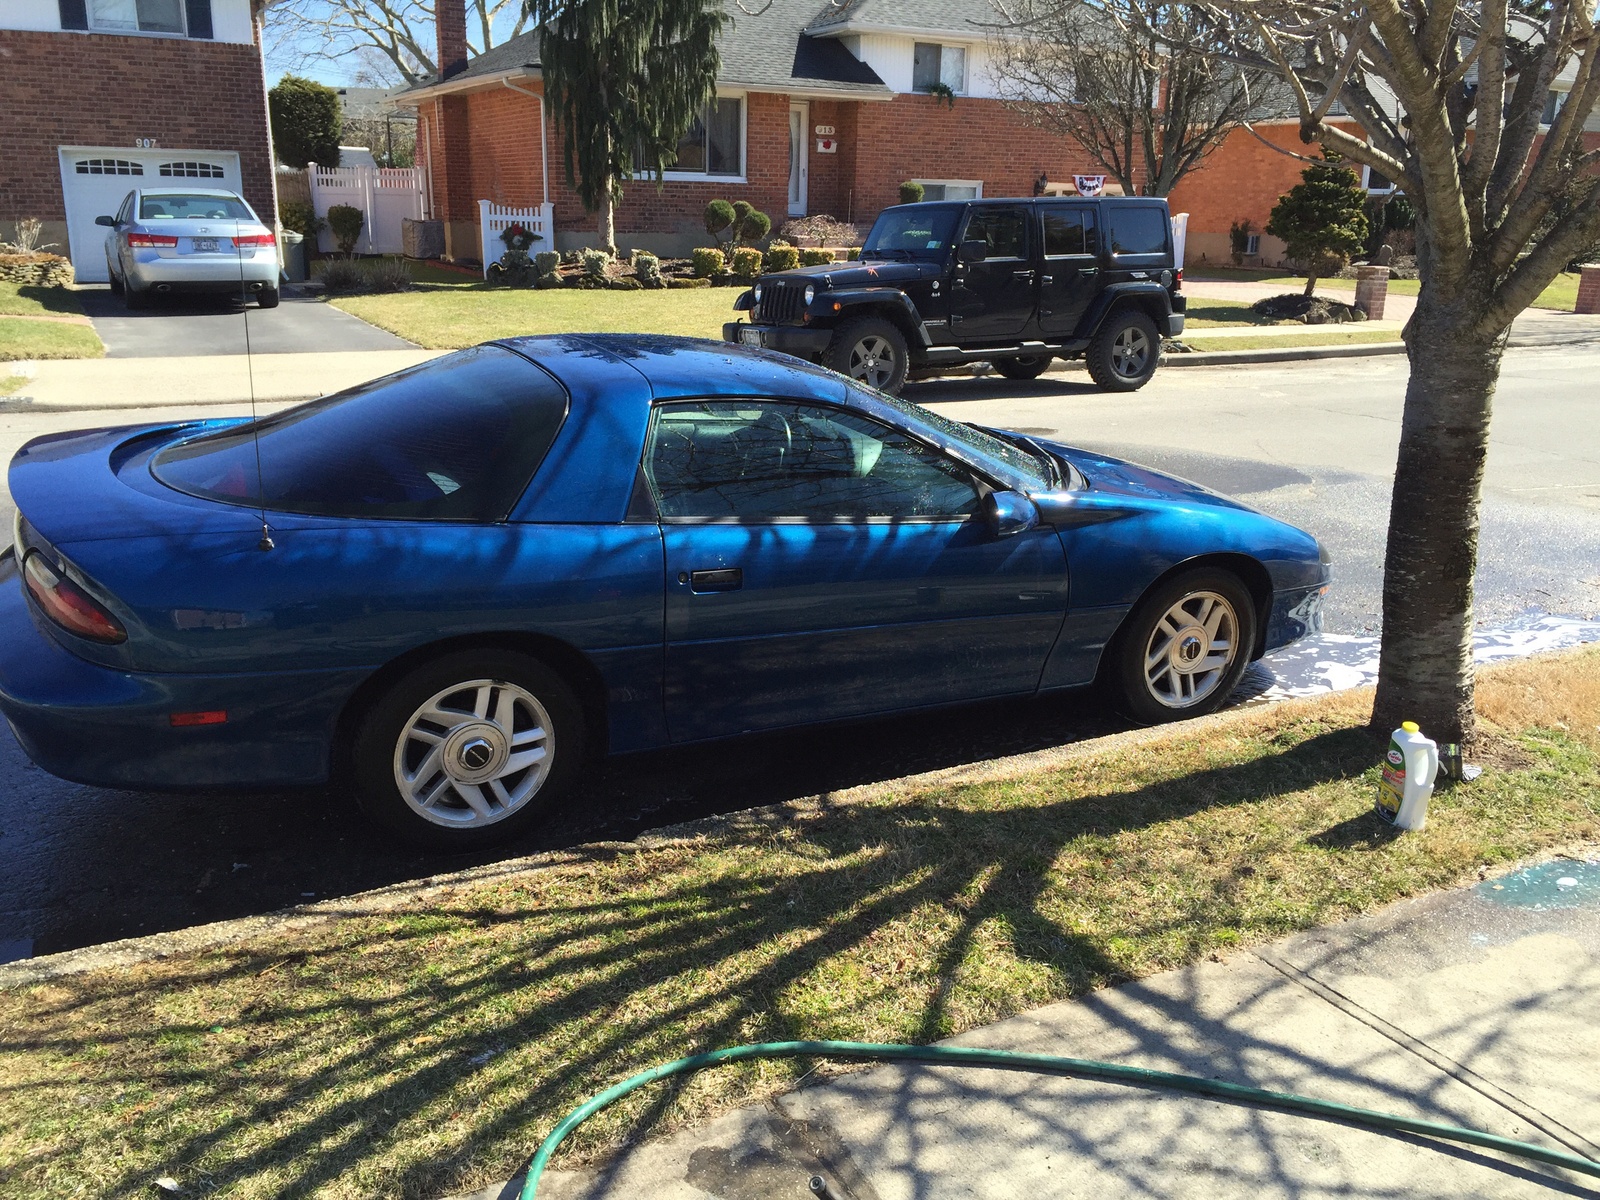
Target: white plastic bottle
x=1408, y=773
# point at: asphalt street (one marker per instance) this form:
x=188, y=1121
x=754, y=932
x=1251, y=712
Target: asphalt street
x=1313, y=443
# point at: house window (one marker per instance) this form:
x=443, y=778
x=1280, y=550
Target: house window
x=1376, y=183
x=1553, y=103
x=932, y=63
x=714, y=144
x=137, y=16
x=108, y=166
x=190, y=170
x=951, y=189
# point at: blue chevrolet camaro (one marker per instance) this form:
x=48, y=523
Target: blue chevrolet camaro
x=463, y=581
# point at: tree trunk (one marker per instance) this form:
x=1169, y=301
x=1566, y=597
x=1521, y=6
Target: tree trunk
x=1311, y=283
x=608, y=222
x=1425, y=671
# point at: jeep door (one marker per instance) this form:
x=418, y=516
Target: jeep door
x=1071, y=273
x=993, y=300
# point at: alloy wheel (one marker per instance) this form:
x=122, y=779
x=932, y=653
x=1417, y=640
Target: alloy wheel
x=1190, y=650
x=1130, y=350
x=872, y=361
x=474, y=753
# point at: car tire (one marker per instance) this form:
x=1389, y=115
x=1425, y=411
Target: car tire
x=451, y=781
x=1124, y=351
x=115, y=282
x=267, y=297
x=134, y=299
x=1158, y=668
x=870, y=350
x=1025, y=366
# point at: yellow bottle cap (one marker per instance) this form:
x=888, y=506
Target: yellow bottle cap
x=1410, y=726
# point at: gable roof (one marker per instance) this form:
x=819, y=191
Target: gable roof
x=767, y=53
x=965, y=18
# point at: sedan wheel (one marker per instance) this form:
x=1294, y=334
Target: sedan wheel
x=1184, y=647
x=466, y=752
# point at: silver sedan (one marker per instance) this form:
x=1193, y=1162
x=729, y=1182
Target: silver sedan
x=165, y=240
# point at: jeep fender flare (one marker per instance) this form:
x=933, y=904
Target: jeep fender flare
x=891, y=303
x=1146, y=294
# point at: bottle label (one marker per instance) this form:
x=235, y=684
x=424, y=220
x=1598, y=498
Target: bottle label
x=1392, y=786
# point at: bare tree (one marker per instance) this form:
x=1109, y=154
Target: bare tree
x=1450, y=94
x=393, y=39
x=1142, y=97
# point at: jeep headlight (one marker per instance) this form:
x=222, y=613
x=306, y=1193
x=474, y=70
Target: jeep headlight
x=758, y=293
x=811, y=292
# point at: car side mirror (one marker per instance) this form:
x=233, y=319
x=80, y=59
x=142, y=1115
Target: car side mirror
x=108, y=222
x=974, y=251
x=1009, y=513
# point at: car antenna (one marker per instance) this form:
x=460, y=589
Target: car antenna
x=266, y=542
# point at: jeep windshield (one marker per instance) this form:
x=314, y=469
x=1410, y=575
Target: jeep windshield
x=914, y=232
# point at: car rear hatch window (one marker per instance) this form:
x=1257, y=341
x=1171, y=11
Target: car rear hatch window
x=455, y=439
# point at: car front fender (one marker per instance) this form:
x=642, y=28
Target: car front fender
x=853, y=301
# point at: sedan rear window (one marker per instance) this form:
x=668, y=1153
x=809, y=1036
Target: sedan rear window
x=172, y=207
x=455, y=439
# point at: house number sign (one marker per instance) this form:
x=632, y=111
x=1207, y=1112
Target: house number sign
x=146, y=143
x=824, y=131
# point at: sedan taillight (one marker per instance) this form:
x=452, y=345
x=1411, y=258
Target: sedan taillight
x=68, y=605
x=147, y=241
x=254, y=239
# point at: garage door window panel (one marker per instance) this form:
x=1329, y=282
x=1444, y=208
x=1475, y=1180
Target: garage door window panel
x=108, y=166
x=757, y=462
x=190, y=170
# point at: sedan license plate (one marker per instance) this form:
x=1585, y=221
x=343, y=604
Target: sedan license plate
x=749, y=336
x=205, y=245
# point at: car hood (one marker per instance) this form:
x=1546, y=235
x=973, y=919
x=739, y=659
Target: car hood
x=877, y=273
x=1119, y=477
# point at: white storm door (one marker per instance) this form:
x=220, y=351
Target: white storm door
x=799, y=132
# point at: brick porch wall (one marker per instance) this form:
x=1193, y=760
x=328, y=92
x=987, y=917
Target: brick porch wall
x=74, y=89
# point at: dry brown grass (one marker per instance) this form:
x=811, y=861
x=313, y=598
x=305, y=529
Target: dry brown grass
x=1551, y=691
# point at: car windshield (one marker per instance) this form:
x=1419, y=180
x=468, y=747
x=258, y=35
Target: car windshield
x=170, y=206
x=1018, y=460
x=455, y=439
x=920, y=231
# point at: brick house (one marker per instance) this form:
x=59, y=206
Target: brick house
x=820, y=108
x=101, y=96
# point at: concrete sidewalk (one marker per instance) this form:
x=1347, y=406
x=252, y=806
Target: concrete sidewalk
x=1478, y=1007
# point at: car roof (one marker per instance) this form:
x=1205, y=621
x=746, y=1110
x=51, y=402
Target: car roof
x=680, y=367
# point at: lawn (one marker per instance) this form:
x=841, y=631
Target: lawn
x=11, y=384
x=1331, y=337
x=1208, y=314
x=453, y=315
x=32, y=300
x=427, y=1049
x=22, y=338
x=1560, y=295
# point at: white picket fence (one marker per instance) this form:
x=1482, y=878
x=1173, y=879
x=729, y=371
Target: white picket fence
x=386, y=195
x=493, y=220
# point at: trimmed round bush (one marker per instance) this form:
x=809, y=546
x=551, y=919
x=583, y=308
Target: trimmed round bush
x=647, y=268
x=782, y=257
x=911, y=192
x=812, y=257
x=718, y=216
x=708, y=261
x=746, y=262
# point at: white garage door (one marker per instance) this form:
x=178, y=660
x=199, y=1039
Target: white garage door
x=94, y=180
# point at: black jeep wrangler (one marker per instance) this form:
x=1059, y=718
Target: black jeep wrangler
x=1010, y=282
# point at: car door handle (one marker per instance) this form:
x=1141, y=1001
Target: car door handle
x=1047, y=280
x=1086, y=272
x=723, y=579
x=1022, y=276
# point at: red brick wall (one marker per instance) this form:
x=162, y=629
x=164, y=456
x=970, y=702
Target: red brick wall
x=74, y=89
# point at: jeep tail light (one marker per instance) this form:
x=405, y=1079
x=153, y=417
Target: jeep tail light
x=68, y=605
x=1177, y=279
x=149, y=241
x=253, y=239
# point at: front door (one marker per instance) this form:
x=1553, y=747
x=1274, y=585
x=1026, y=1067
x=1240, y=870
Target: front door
x=1071, y=266
x=822, y=565
x=799, y=123
x=993, y=300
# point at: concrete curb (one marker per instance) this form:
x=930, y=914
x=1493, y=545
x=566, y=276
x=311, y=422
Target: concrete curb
x=131, y=951
x=1224, y=358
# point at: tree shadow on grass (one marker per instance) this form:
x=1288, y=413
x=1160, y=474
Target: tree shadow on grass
x=467, y=1029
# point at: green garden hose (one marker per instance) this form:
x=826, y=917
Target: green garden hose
x=1049, y=1064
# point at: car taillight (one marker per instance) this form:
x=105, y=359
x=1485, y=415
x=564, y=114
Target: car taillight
x=147, y=241
x=254, y=239
x=68, y=605
x=1177, y=279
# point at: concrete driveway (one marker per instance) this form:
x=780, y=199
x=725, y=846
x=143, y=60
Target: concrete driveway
x=193, y=326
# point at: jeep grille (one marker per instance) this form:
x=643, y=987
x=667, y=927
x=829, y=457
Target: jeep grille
x=781, y=303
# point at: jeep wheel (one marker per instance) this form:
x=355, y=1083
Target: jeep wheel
x=1123, y=354
x=870, y=350
x=1026, y=366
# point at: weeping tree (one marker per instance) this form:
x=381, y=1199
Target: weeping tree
x=1146, y=106
x=625, y=80
x=1449, y=95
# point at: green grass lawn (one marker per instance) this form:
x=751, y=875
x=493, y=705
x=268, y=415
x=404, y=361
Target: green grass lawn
x=11, y=384
x=21, y=338
x=1329, y=337
x=31, y=300
x=427, y=1049
x=453, y=315
x=1562, y=294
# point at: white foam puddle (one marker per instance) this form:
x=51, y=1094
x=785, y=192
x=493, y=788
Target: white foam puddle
x=1334, y=662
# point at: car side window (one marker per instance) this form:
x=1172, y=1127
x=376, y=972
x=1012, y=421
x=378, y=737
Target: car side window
x=767, y=460
x=125, y=213
x=1003, y=230
x=1138, y=230
x=1069, y=231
